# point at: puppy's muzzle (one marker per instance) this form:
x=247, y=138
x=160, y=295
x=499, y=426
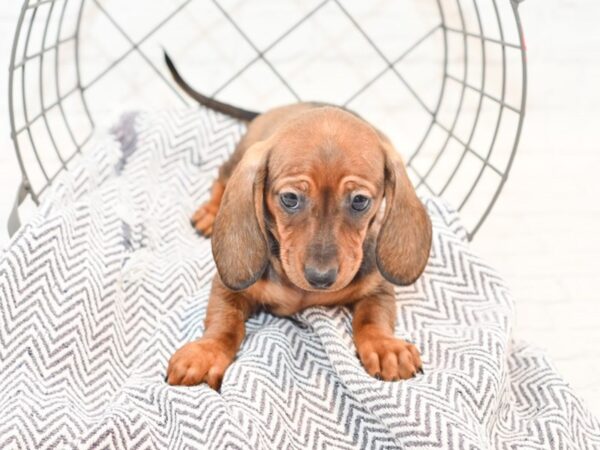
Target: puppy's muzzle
x=320, y=278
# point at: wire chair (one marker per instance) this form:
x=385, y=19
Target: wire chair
x=445, y=79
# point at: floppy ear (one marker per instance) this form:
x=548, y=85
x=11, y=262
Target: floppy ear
x=239, y=243
x=404, y=239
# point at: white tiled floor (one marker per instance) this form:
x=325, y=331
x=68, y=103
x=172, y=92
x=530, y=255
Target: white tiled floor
x=543, y=233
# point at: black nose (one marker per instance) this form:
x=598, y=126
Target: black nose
x=320, y=279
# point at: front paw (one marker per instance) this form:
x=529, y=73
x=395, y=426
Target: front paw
x=204, y=218
x=202, y=361
x=389, y=358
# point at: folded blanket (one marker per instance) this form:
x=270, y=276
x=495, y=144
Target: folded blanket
x=109, y=279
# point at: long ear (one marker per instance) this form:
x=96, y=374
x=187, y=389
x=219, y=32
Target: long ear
x=239, y=242
x=404, y=239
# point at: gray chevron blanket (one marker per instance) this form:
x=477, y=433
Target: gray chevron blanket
x=109, y=279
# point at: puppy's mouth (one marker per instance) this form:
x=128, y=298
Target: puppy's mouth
x=314, y=279
x=309, y=288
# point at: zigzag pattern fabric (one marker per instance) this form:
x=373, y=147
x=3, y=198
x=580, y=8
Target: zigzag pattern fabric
x=109, y=279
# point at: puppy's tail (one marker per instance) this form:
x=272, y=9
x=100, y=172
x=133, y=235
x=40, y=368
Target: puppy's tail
x=230, y=110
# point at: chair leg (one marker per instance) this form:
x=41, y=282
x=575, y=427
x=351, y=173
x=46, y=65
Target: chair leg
x=14, y=222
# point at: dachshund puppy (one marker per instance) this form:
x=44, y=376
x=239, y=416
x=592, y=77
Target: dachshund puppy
x=314, y=207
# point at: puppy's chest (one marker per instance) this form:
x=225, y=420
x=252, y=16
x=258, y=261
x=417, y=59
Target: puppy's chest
x=285, y=300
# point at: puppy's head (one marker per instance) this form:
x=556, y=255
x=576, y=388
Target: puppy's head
x=317, y=188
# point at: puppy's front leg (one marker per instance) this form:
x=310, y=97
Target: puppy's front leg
x=383, y=355
x=206, y=359
x=204, y=217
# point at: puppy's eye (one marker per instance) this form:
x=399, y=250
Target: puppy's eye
x=290, y=200
x=360, y=202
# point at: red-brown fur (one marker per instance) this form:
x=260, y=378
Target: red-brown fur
x=325, y=155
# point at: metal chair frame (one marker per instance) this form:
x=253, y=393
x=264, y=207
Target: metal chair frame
x=52, y=45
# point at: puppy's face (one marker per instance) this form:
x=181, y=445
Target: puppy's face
x=317, y=186
x=325, y=184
